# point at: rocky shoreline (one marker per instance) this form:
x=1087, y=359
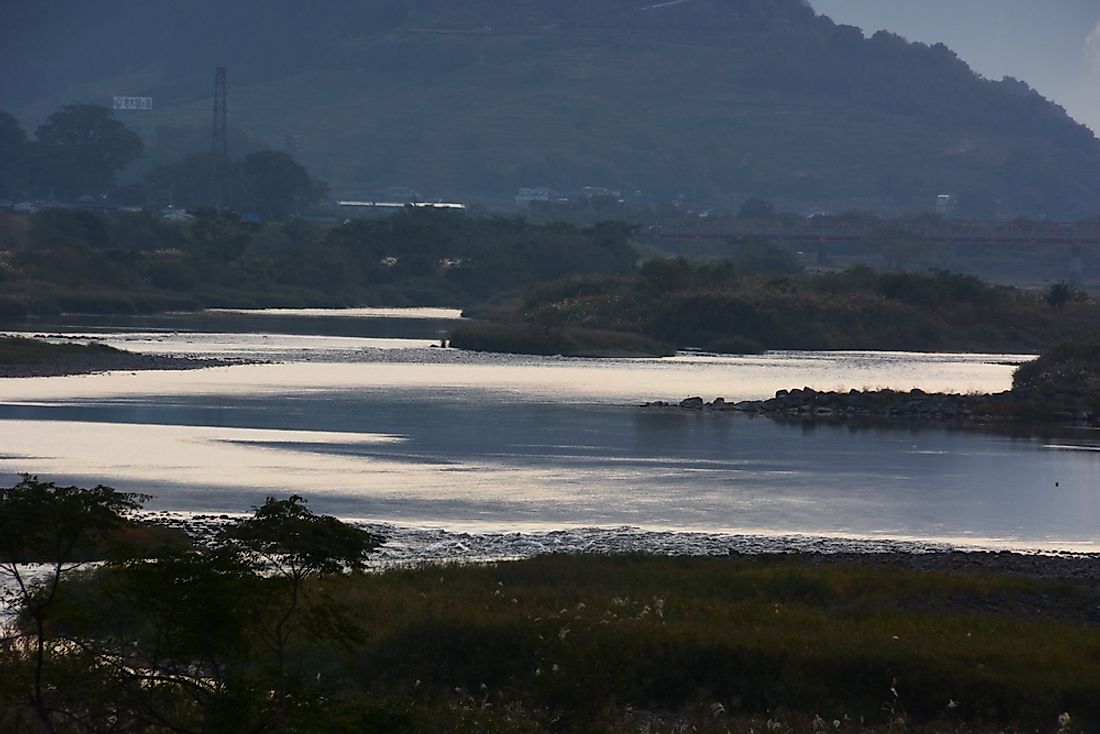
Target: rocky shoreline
x=809, y=404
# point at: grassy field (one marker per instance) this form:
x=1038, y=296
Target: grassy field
x=584, y=644
x=632, y=643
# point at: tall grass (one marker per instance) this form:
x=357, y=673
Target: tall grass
x=582, y=637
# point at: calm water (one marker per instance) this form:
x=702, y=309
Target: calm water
x=362, y=416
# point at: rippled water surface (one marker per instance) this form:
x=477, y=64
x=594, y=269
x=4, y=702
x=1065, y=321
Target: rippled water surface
x=361, y=414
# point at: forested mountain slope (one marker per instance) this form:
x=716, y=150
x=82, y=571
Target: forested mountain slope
x=715, y=100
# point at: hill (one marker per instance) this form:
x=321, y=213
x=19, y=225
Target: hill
x=715, y=101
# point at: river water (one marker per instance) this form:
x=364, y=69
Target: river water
x=362, y=415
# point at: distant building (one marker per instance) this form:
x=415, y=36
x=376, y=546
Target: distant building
x=945, y=204
x=525, y=196
x=392, y=205
x=175, y=215
x=591, y=192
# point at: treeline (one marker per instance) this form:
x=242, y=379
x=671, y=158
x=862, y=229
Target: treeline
x=77, y=155
x=760, y=302
x=72, y=260
x=78, y=151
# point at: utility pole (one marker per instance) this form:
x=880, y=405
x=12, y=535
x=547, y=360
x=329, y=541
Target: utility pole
x=219, y=146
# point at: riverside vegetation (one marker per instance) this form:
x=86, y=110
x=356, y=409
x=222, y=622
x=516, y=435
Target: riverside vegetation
x=547, y=288
x=76, y=261
x=274, y=628
x=762, y=300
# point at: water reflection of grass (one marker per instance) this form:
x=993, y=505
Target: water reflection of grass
x=587, y=644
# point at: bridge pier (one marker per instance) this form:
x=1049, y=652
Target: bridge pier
x=1076, y=266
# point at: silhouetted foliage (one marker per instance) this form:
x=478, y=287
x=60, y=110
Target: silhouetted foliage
x=14, y=151
x=43, y=523
x=760, y=300
x=222, y=235
x=184, y=184
x=274, y=185
x=268, y=183
x=756, y=209
x=177, y=640
x=180, y=642
x=765, y=258
x=1061, y=293
x=80, y=149
x=1072, y=367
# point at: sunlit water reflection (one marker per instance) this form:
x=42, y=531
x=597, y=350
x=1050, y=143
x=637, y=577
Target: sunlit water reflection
x=375, y=426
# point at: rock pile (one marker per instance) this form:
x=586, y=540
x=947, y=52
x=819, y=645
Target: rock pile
x=807, y=403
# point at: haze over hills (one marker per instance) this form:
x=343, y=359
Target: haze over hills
x=711, y=101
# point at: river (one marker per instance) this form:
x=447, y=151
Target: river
x=360, y=413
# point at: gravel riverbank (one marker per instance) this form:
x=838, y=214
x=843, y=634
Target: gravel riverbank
x=409, y=544
x=109, y=362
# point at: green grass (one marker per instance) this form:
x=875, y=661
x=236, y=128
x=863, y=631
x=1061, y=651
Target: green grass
x=588, y=640
x=17, y=350
x=635, y=643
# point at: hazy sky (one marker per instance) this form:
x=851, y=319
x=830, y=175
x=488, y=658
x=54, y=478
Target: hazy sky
x=1053, y=45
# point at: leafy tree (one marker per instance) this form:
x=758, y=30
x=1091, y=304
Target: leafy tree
x=81, y=149
x=275, y=185
x=756, y=209
x=269, y=183
x=58, y=227
x=179, y=646
x=222, y=235
x=768, y=258
x=13, y=154
x=43, y=523
x=180, y=641
x=898, y=245
x=662, y=275
x=1061, y=293
x=1066, y=377
x=185, y=184
x=297, y=544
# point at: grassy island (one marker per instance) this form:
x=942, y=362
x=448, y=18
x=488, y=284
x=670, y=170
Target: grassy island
x=16, y=350
x=730, y=308
x=24, y=357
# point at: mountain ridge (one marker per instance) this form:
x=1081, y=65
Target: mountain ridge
x=714, y=101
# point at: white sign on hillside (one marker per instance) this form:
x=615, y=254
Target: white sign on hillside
x=133, y=103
